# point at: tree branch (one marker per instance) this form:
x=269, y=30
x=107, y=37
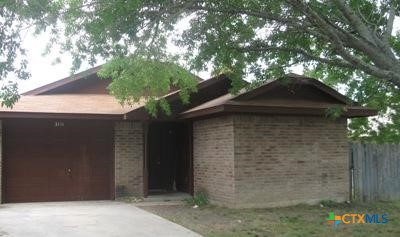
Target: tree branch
x=389, y=72
x=235, y=11
x=304, y=53
x=389, y=25
x=350, y=62
x=355, y=21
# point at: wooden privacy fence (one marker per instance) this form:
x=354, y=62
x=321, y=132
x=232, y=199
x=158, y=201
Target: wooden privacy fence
x=374, y=172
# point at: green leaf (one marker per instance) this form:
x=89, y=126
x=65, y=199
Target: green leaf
x=137, y=78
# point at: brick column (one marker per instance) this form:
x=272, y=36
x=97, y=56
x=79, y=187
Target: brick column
x=213, y=159
x=128, y=147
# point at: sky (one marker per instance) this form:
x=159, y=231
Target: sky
x=43, y=71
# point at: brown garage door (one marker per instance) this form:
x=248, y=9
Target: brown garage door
x=48, y=160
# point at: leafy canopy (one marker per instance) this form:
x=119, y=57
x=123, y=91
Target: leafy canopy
x=136, y=79
x=351, y=44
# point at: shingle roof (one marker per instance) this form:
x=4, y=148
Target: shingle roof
x=73, y=104
x=101, y=106
x=210, y=99
x=246, y=101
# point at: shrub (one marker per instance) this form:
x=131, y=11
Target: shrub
x=199, y=199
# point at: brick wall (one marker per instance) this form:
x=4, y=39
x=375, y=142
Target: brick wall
x=128, y=149
x=284, y=160
x=213, y=154
x=278, y=160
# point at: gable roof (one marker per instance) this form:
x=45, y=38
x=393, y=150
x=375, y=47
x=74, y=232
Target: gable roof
x=72, y=83
x=206, y=90
x=289, y=98
x=65, y=81
x=299, y=95
x=294, y=79
x=49, y=101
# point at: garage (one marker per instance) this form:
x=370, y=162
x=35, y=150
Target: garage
x=57, y=160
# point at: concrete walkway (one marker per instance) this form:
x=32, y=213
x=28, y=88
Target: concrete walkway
x=86, y=219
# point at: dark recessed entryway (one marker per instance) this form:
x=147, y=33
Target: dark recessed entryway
x=49, y=160
x=168, y=159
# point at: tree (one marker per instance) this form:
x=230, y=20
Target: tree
x=348, y=43
x=10, y=48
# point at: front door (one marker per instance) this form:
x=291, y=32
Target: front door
x=167, y=157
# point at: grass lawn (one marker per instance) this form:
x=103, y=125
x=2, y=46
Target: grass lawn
x=301, y=220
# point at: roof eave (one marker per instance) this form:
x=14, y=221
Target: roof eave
x=34, y=115
x=141, y=113
x=351, y=112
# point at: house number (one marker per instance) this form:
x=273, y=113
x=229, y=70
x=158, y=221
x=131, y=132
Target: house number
x=58, y=124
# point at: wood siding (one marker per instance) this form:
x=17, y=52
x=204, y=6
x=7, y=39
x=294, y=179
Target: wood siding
x=376, y=171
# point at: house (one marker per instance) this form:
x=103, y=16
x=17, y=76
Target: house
x=270, y=146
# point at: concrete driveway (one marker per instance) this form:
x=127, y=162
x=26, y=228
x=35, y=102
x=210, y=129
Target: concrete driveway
x=95, y=218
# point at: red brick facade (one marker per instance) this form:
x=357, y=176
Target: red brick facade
x=277, y=160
